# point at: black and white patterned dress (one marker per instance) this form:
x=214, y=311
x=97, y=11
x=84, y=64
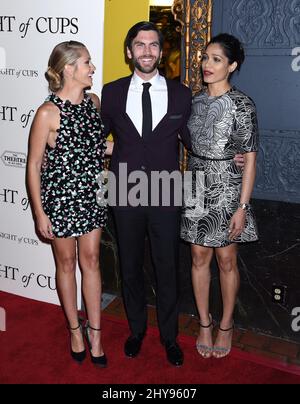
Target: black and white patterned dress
x=70, y=169
x=220, y=127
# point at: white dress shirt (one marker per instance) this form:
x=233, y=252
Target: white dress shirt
x=159, y=100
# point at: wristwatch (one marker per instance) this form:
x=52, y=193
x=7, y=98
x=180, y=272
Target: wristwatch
x=244, y=206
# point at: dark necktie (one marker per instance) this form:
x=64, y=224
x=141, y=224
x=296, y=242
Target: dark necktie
x=147, y=111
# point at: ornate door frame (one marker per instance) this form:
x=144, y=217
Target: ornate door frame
x=195, y=17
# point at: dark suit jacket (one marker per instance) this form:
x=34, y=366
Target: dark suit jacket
x=160, y=150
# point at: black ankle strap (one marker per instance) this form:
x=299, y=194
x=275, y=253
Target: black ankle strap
x=206, y=326
x=227, y=329
x=209, y=325
x=75, y=328
x=95, y=329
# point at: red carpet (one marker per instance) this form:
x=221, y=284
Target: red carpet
x=34, y=349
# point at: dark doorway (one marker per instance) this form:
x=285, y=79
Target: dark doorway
x=163, y=18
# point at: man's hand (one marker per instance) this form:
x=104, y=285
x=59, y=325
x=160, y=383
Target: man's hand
x=239, y=160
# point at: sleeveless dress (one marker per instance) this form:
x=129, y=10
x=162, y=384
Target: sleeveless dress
x=69, y=177
x=220, y=127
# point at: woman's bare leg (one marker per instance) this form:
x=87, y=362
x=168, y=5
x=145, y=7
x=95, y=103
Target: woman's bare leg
x=201, y=259
x=230, y=282
x=64, y=250
x=89, y=254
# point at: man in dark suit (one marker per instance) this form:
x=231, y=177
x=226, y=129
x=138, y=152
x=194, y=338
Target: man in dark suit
x=146, y=114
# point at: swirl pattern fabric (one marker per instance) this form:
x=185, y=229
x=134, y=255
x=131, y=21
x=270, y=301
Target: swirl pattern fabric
x=220, y=128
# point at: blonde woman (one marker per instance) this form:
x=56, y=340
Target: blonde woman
x=66, y=152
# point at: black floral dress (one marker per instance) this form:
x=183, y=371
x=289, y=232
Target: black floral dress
x=70, y=171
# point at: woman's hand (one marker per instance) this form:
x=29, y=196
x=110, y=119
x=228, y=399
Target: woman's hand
x=237, y=224
x=44, y=226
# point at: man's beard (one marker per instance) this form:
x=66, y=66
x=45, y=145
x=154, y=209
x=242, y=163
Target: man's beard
x=147, y=70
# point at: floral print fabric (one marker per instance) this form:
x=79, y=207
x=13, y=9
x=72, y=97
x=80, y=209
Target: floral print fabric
x=70, y=169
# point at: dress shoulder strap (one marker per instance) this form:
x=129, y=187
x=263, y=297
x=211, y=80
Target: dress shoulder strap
x=56, y=100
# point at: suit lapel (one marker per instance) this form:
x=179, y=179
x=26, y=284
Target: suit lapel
x=123, y=101
x=123, y=93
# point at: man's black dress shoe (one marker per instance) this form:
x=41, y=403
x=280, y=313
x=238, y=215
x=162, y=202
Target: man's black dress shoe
x=174, y=354
x=133, y=345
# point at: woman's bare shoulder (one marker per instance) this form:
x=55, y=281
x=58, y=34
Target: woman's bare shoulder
x=47, y=109
x=95, y=100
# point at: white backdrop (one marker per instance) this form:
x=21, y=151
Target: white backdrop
x=29, y=30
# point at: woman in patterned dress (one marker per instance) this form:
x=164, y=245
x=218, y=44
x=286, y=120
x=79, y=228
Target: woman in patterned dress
x=66, y=153
x=217, y=214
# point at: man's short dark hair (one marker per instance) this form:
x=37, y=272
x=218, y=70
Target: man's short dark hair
x=142, y=26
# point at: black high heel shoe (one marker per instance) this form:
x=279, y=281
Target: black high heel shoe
x=77, y=356
x=100, y=361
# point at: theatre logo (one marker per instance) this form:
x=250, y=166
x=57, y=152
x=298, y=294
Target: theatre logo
x=14, y=159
